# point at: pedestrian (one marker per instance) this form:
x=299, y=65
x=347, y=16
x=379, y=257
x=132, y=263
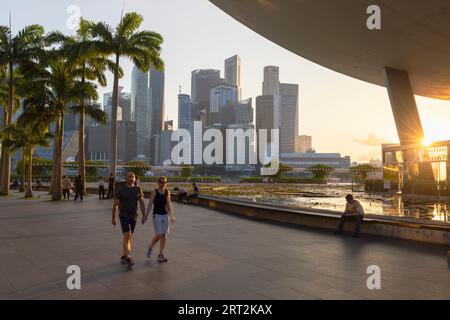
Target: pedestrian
x=353, y=211
x=127, y=198
x=66, y=185
x=163, y=215
x=182, y=193
x=138, y=181
x=79, y=188
x=101, y=188
x=111, y=181
x=195, y=192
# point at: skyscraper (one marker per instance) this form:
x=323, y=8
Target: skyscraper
x=271, y=83
x=221, y=96
x=147, y=105
x=124, y=104
x=141, y=107
x=288, y=117
x=158, y=108
x=233, y=73
x=185, y=117
x=201, y=83
x=265, y=113
x=244, y=112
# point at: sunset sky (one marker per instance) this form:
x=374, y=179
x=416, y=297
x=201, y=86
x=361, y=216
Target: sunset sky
x=341, y=113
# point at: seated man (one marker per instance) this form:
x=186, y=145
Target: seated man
x=353, y=211
x=195, y=192
x=182, y=193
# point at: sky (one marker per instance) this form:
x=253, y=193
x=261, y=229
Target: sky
x=342, y=114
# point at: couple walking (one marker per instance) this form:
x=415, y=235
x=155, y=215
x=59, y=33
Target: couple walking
x=127, y=199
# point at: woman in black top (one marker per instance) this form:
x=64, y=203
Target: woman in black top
x=162, y=215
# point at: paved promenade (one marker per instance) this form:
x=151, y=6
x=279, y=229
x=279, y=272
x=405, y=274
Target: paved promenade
x=212, y=255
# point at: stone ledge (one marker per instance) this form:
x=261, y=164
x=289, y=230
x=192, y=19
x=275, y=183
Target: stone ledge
x=326, y=219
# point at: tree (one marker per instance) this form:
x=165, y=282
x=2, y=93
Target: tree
x=15, y=51
x=138, y=167
x=186, y=170
x=320, y=171
x=142, y=47
x=51, y=87
x=90, y=65
x=26, y=137
x=361, y=170
x=281, y=169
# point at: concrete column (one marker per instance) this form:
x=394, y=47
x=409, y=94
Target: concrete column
x=404, y=108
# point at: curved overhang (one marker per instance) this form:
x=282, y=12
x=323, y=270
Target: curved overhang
x=414, y=36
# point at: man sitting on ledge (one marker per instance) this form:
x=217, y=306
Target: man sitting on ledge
x=353, y=211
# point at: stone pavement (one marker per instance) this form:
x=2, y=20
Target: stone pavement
x=212, y=255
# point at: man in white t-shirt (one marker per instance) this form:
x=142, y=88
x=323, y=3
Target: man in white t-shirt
x=353, y=211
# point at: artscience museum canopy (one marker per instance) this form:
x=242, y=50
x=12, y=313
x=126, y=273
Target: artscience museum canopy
x=409, y=54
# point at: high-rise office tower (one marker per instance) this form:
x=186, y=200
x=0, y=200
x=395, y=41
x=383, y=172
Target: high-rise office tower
x=221, y=96
x=271, y=83
x=265, y=113
x=141, y=108
x=158, y=108
x=124, y=103
x=202, y=81
x=147, y=106
x=244, y=112
x=288, y=117
x=233, y=73
x=185, y=117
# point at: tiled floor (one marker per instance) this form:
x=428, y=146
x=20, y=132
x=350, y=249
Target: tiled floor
x=212, y=255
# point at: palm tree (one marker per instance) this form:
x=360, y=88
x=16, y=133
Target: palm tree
x=51, y=87
x=14, y=51
x=142, y=47
x=90, y=65
x=26, y=137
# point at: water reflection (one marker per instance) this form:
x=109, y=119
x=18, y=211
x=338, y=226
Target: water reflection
x=331, y=197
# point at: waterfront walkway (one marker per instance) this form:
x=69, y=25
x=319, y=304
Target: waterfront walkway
x=212, y=255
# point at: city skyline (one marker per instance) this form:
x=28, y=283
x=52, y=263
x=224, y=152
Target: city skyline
x=324, y=106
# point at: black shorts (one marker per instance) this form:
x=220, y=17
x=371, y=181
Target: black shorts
x=127, y=224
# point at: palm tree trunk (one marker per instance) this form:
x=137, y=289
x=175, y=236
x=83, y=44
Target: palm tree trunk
x=22, y=178
x=3, y=149
x=6, y=160
x=113, y=146
x=81, y=151
x=57, y=165
x=29, y=192
x=54, y=157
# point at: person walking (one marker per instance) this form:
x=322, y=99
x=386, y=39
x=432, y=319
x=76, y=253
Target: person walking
x=111, y=181
x=79, y=186
x=66, y=185
x=163, y=215
x=101, y=188
x=353, y=211
x=127, y=198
